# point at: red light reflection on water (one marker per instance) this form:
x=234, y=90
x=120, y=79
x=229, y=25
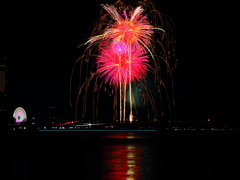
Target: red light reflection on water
x=120, y=160
x=121, y=135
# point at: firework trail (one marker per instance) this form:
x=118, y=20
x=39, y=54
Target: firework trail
x=127, y=49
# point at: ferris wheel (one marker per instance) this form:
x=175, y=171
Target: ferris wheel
x=19, y=115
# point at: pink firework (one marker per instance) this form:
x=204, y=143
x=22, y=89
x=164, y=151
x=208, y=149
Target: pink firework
x=123, y=46
x=121, y=63
x=127, y=50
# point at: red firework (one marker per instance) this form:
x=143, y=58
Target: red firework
x=121, y=63
x=123, y=47
x=120, y=49
x=132, y=27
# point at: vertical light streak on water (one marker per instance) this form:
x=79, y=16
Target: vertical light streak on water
x=124, y=155
x=131, y=163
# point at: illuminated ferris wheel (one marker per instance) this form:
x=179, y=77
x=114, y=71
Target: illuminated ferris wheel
x=19, y=115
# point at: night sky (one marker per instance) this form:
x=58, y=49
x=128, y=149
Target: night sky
x=40, y=42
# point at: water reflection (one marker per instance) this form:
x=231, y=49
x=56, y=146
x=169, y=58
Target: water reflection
x=125, y=158
x=95, y=155
x=131, y=163
x=117, y=155
x=121, y=135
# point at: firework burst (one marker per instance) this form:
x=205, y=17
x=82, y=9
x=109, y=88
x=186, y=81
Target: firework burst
x=114, y=63
x=131, y=28
x=128, y=48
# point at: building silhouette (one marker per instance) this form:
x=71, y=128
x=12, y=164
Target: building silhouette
x=3, y=91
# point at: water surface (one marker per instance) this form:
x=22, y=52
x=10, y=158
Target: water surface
x=118, y=155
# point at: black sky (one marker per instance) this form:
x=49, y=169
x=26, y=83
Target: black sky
x=40, y=42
